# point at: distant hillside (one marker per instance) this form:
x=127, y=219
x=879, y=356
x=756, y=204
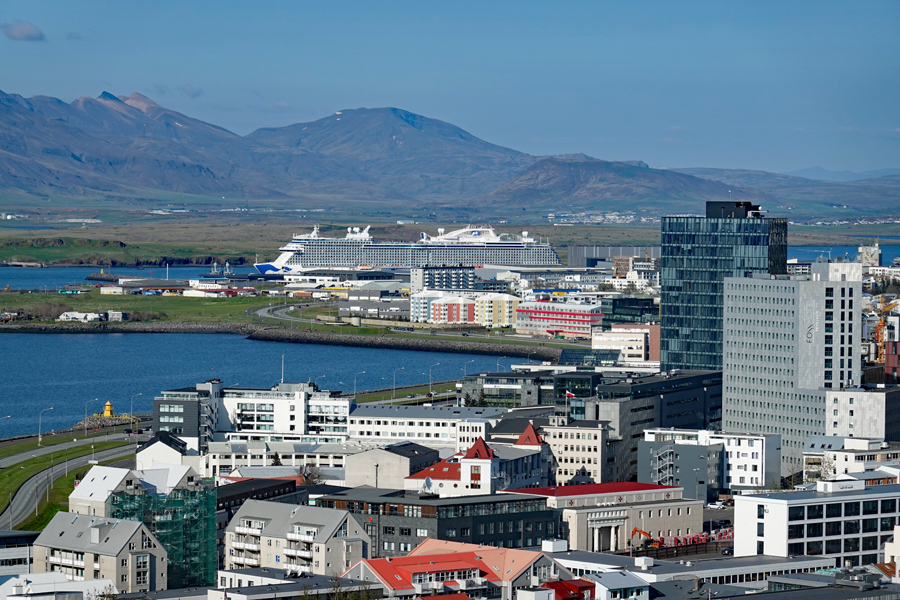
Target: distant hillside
x=129, y=149
x=579, y=182
x=827, y=175
x=419, y=156
x=865, y=197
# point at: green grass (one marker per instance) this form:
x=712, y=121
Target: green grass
x=402, y=393
x=176, y=308
x=12, y=477
x=31, y=444
x=59, y=497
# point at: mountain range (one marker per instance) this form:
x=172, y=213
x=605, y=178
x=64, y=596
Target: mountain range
x=114, y=148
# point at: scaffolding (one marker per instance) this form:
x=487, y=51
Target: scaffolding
x=184, y=522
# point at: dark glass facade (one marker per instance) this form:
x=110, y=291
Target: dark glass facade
x=698, y=253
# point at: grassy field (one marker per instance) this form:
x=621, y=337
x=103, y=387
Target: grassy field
x=12, y=477
x=200, y=239
x=175, y=308
x=59, y=497
x=439, y=390
x=31, y=444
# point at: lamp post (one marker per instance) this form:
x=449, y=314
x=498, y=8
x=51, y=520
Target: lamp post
x=429, y=376
x=85, y=414
x=697, y=484
x=40, y=419
x=528, y=358
x=498, y=363
x=354, y=381
x=316, y=382
x=394, y=388
x=131, y=414
x=466, y=364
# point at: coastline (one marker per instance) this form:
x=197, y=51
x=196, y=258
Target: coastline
x=269, y=333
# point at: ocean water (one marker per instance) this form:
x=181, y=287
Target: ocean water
x=64, y=371
x=18, y=278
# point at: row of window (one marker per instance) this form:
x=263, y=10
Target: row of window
x=836, y=510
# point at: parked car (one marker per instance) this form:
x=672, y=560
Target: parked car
x=715, y=505
x=730, y=502
x=128, y=432
x=729, y=551
x=410, y=395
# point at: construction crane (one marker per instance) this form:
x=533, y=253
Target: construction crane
x=653, y=543
x=881, y=328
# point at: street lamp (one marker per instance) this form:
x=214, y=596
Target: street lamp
x=498, y=363
x=528, y=358
x=354, y=382
x=85, y=414
x=429, y=375
x=316, y=382
x=465, y=365
x=40, y=418
x=394, y=389
x=697, y=484
x=131, y=414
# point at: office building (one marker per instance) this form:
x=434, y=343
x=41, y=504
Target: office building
x=85, y=547
x=388, y=466
x=698, y=253
x=15, y=551
x=558, y=319
x=788, y=340
x=601, y=517
x=397, y=521
x=864, y=411
x=841, y=519
x=295, y=538
x=825, y=456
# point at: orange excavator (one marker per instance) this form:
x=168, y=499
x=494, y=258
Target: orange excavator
x=652, y=543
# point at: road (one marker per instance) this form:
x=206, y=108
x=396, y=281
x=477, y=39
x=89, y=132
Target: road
x=59, y=450
x=25, y=500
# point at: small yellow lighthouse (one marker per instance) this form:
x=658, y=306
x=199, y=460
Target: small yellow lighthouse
x=107, y=409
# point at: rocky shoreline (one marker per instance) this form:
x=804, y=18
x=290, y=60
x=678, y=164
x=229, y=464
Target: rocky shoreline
x=277, y=334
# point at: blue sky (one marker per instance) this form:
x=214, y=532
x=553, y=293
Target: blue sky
x=761, y=85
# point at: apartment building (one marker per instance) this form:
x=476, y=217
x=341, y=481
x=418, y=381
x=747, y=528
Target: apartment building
x=441, y=278
x=225, y=457
x=210, y=412
x=496, y=310
x=294, y=538
x=438, y=568
x=431, y=425
x=730, y=462
x=388, y=466
x=483, y=469
x=171, y=500
x=633, y=345
x=580, y=448
x=85, y=547
x=452, y=309
x=841, y=519
x=788, y=340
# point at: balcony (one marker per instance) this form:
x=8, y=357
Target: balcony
x=248, y=531
x=296, y=568
x=300, y=537
x=471, y=584
x=59, y=560
x=246, y=546
x=428, y=586
x=245, y=560
x=297, y=552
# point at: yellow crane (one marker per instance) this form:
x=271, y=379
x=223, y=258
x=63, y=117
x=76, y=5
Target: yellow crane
x=885, y=310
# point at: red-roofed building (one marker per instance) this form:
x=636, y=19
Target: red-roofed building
x=529, y=437
x=484, y=469
x=602, y=516
x=449, y=570
x=575, y=589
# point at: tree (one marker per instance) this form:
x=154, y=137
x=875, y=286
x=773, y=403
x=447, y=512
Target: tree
x=480, y=401
x=312, y=475
x=276, y=460
x=467, y=399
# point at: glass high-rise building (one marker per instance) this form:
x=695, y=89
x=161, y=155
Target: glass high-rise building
x=698, y=253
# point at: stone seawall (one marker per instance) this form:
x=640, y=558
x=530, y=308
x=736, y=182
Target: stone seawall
x=278, y=334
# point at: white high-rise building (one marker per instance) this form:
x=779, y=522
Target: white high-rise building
x=787, y=340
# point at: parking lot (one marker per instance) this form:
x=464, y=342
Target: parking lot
x=717, y=514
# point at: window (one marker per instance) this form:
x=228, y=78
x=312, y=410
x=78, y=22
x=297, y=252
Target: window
x=851, y=544
x=387, y=530
x=405, y=531
x=870, y=507
x=814, y=511
x=814, y=548
x=814, y=530
x=795, y=532
x=833, y=511
x=851, y=509
x=421, y=533
x=851, y=526
x=832, y=546
x=888, y=506
x=796, y=513
x=760, y=511
x=760, y=529
x=833, y=528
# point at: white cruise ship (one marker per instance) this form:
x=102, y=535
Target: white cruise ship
x=470, y=246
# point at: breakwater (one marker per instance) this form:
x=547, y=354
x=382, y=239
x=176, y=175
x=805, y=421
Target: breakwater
x=270, y=333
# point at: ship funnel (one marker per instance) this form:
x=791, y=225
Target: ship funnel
x=524, y=234
x=440, y=231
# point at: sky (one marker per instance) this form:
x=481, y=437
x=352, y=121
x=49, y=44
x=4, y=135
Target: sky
x=764, y=85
